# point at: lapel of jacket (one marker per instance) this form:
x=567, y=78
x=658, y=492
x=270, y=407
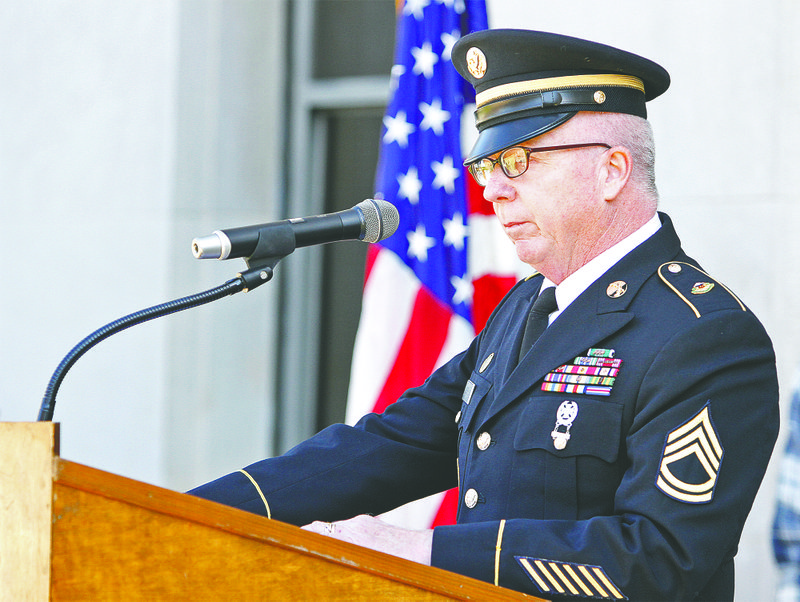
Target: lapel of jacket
x=592, y=317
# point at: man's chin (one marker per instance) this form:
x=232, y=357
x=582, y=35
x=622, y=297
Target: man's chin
x=529, y=251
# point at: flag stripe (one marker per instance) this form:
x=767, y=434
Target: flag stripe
x=372, y=256
x=489, y=290
x=459, y=335
x=421, y=348
x=490, y=251
x=475, y=202
x=447, y=509
x=387, y=305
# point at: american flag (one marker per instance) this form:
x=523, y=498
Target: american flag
x=430, y=287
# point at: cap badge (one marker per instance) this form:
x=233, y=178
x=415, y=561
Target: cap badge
x=701, y=288
x=476, y=62
x=617, y=289
x=565, y=416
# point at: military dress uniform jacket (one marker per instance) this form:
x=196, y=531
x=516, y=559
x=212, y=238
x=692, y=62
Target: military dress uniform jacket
x=619, y=459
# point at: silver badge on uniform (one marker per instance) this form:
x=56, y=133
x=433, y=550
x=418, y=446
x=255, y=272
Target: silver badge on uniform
x=469, y=391
x=565, y=416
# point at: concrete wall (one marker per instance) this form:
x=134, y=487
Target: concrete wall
x=126, y=129
x=726, y=134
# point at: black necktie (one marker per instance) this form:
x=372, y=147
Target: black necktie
x=544, y=305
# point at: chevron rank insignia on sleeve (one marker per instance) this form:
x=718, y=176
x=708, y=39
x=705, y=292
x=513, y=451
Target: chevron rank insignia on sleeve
x=691, y=460
x=570, y=579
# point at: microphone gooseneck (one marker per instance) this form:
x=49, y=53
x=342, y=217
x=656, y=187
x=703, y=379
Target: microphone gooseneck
x=49, y=400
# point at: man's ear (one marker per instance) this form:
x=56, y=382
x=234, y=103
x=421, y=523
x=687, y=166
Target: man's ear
x=616, y=171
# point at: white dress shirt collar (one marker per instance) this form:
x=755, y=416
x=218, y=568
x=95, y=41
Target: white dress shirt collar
x=574, y=284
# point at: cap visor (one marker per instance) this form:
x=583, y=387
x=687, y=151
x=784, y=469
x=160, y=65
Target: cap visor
x=497, y=137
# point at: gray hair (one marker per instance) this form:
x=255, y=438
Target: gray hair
x=636, y=135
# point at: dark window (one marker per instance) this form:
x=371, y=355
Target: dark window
x=353, y=142
x=353, y=38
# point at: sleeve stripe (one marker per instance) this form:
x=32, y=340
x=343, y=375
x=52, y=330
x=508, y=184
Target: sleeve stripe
x=540, y=565
x=532, y=572
x=497, y=552
x=261, y=493
x=592, y=580
x=563, y=578
x=578, y=580
x=569, y=578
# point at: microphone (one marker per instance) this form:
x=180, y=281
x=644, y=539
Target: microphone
x=371, y=220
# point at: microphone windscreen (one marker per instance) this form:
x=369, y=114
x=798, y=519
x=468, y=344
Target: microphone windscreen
x=380, y=219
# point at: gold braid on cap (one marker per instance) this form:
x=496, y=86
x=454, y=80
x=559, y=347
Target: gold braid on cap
x=558, y=83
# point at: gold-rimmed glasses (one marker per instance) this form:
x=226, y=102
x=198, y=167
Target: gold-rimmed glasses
x=514, y=161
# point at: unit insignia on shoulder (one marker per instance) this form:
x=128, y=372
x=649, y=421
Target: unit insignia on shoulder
x=688, y=281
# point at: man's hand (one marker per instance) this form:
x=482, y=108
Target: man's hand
x=373, y=533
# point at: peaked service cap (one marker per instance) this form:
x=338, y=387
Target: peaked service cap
x=529, y=82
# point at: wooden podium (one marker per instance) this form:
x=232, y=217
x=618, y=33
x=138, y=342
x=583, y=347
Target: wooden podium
x=70, y=532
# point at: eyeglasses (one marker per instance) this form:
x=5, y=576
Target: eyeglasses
x=514, y=161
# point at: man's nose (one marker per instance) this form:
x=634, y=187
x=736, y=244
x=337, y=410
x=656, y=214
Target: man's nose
x=498, y=187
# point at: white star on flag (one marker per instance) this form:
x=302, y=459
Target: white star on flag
x=415, y=8
x=446, y=174
x=410, y=185
x=464, y=290
x=397, y=129
x=456, y=5
x=433, y=116
x=397, y=72
x=424, y=60
x=449, y=40
x=455, y=231
x=419, y=243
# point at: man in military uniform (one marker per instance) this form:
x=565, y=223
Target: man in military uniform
x=610, y=426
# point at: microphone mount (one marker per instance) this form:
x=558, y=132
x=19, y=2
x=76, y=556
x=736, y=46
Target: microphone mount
x=275, y=242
